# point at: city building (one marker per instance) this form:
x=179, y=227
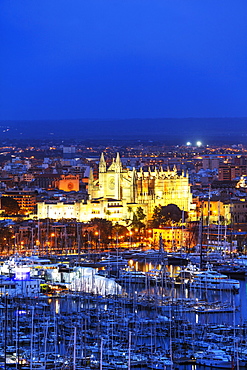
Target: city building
x=117, y=192
x=175, y=237
x=26, y=199
x=69, y=183
x=210, y=162
x=231, y=171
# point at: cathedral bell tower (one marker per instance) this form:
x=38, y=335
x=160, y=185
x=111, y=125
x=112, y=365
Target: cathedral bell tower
x=102, y=164
x=118, y=164
x=102, y=176
x=112, y=179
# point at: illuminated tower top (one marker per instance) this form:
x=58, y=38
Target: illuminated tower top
x=102, y=163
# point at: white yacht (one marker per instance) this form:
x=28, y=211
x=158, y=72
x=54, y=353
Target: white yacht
x=195, y=278
x=214, y=280
x=34, y=263
x=214, y=359
x=20, y=284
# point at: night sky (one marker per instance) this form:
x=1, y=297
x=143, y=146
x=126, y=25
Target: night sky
x=122, y=59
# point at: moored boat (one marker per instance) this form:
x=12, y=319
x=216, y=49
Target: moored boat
x=215, y=359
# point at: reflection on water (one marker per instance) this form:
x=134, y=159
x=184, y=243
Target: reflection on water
x=174, y=303
x=237, y=301
x=167, y=301
x=178, y=298
x=148, y=266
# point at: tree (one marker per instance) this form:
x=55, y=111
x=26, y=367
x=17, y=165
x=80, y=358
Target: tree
x=138, y=217
x=104, y=229
x=6, y=237
x=157, y=217
x=10, y=205
x=119, y=230
x=130, y=211
x=140, y=214
x=165, y=215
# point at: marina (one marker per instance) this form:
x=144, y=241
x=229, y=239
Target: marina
x=123, y=185
x=134, y=320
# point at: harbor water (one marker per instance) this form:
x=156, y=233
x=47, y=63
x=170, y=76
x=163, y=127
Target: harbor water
x=150, y=325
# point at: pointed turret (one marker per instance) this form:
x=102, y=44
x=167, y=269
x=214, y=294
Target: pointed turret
x=133, y=186
x=118, y=163
x=113, y=165
x=91, y=175
x=102, y=163
x=133, y=173
x=118, y=160
x=167, y=173
x=90, y=183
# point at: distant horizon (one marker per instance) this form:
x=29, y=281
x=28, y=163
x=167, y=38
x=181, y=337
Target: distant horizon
x=120, y=118
x=209, y=131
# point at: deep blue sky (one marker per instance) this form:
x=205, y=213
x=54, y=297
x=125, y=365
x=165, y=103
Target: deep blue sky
x=123, y=58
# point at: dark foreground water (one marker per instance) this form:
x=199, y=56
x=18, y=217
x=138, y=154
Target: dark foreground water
x=156, y=316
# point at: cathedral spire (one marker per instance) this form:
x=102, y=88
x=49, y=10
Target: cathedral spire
x=102, y=163
x=133, y=174
x=91, y=174
x=118, y=163
x=90, y=183
x=118, y=160
x=133, y=186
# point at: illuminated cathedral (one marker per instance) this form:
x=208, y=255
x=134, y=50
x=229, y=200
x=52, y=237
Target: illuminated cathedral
x=140, y=188
x=119, y=191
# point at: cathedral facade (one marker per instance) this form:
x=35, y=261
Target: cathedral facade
x=140, y=188
x=117, y=192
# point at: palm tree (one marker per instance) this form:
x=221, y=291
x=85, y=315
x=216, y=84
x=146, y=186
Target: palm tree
x=130, y=211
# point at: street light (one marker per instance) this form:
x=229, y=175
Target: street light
x=130, y=240
x=97, y=233
x=52, y=241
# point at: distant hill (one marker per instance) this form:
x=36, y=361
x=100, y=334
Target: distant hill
x=170, y=130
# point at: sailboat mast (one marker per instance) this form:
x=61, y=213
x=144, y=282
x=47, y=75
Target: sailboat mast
x=31, y=349
x=201, y=235
x=78, y=240
x=129, y=350
x=208, y=218
x=5, y=331
x=101, y=354
x=219, y=231
x=74, y=357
